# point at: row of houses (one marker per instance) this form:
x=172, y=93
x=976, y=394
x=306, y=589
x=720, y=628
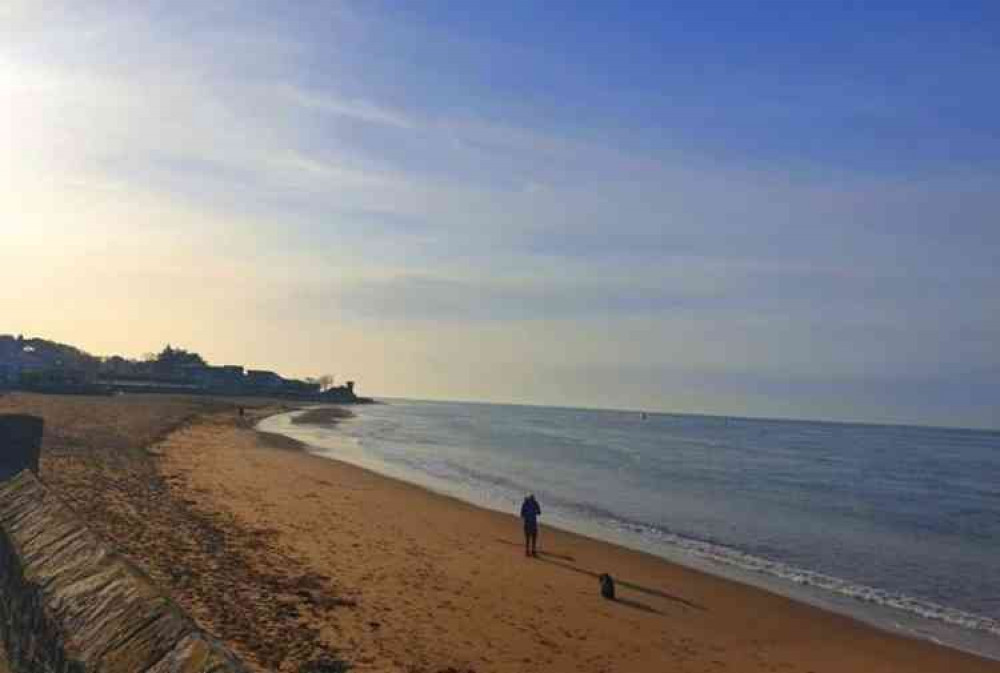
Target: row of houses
x=219, y=379
x=39, y=360
x=39, y=363
x=236, y=378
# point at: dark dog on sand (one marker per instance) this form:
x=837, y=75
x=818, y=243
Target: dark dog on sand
x=607, y=586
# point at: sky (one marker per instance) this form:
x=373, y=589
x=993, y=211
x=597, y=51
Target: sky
x=778, y=209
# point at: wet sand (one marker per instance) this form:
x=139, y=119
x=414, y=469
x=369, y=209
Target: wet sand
x=292, y=558
x=322, y=416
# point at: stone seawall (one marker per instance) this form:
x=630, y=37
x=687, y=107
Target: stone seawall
x=68, y=603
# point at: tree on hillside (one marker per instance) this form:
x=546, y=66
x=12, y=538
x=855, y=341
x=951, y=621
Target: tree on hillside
x=171, y=357
x=56, y=353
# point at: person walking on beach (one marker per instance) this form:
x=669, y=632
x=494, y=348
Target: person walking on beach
x=530, y=511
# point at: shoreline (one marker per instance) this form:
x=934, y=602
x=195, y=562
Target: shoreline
x=321, y=416
x=858, y=622
x=881, y=616
x=293, y=559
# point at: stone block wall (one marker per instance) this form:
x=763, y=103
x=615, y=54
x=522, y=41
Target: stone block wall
x=68, y=603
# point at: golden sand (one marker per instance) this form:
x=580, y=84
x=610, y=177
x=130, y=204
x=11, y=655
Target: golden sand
x=290, y=558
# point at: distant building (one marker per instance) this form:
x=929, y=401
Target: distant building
x=225, y=377
x=340, y=394
x=301, y=387
x=40, y=364
x=9, y=373
x=18, y=359
x=264, y=379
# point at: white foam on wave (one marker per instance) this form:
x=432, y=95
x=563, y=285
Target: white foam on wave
x=747, y=562
x=644, y=536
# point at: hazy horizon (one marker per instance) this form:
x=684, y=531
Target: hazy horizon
x=786, y=211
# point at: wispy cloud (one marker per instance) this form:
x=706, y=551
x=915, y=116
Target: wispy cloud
x=344, y=190
x=361, y=110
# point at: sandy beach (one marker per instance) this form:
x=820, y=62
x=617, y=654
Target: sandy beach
x=292, y=559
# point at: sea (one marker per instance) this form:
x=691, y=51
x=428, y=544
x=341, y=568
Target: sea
x=897, y=526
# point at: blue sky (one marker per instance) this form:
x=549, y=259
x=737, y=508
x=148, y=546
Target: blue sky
x=784, y=209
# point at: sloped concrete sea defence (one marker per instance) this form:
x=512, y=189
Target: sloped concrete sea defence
x=68, y=603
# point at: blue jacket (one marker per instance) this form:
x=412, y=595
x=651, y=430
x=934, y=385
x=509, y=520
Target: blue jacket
x=530, y=509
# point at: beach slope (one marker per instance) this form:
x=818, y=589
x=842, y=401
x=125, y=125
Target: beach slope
x=295, y=560
x=434, y=584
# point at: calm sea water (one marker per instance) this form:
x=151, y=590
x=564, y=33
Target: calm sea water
x=899, y=526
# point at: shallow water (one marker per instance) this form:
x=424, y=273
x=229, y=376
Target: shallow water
x=896, y=525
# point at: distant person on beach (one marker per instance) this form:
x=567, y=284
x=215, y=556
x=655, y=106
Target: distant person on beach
x=530, y=511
